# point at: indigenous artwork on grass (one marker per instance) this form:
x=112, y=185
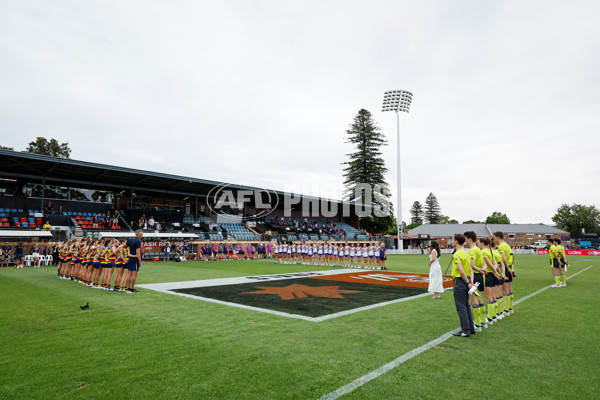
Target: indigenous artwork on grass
x=313, y=296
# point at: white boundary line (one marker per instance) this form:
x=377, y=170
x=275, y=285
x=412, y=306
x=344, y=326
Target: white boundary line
x=407, y=356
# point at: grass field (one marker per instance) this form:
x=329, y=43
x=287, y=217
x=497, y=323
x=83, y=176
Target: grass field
x=154, y=345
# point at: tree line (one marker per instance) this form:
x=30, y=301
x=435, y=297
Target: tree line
x=46, y=147
x=430, y=213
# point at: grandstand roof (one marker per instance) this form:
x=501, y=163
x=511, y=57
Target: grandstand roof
x=148, y=235
x=448, y=230
x=65, y=171
x=23, y=233
x=526, y=228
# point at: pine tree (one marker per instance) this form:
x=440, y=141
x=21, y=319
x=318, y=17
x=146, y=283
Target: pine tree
x=41, y=145
x=367, y=167
x=416, y=213
x=432, y=210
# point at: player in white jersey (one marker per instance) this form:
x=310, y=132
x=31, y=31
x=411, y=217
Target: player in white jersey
x=333, y=256
x=365, y=255
x=371, y=255
x=357, y=255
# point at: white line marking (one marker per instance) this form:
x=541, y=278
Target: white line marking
x=407, y=356
x=355, y=310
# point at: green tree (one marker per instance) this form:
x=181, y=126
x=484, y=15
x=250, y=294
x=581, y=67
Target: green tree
x=6, y=148
x=472, y=222
x=49, y=148
x=432, y=210
x=497, y=218
x=364, y=174
x=416, y=213
x=577, y=217
x=444, y=219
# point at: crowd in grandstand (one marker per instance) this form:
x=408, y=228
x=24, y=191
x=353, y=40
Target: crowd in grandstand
x=327, y=228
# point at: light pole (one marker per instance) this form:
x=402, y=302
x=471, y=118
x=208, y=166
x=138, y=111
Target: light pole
x=398, y=100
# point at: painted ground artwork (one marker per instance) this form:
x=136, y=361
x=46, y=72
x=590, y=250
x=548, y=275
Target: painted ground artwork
x=313, y=296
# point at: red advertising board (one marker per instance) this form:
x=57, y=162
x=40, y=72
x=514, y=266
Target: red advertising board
x=576, y=252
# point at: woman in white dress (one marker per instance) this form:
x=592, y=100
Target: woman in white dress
x=435, y=271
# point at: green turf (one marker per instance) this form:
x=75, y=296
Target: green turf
x=155, y=345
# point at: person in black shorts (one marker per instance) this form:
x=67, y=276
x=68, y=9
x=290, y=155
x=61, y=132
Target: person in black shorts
x=19, y=255
x=134, y=257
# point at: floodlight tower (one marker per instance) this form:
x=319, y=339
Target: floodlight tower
x=398, y=100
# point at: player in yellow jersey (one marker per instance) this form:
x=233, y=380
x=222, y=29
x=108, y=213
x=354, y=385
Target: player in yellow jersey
x=120, y=265
x=490, y=277
x=497, y=258
x=554, y=263
x=109, y=267
x=507, y=257
x=463, y=281
x=477, y=265
x=562, y=262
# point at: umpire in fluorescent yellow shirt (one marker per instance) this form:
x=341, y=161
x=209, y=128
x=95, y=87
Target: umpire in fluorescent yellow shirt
x=463, y=280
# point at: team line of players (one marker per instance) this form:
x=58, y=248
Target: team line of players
x=368, y=256
x=94, y=262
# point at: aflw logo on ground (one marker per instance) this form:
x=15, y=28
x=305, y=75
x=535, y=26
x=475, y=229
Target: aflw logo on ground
x=314, y=296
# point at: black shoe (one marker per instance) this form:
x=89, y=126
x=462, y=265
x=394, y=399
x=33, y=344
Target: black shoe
x=461, y=334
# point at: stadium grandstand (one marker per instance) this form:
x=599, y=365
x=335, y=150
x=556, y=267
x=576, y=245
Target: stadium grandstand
x=72, y=199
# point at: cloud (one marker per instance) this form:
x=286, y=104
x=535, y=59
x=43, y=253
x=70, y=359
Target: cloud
x=504, y=118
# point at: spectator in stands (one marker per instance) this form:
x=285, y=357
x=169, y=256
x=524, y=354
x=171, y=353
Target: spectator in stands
x=151, y=222
x=5, y=254
x=158, y=226
x=48, y=209
x=47, y=226
x=95, y=221
x=60, y=210
x=143, y=224
x=107, y=219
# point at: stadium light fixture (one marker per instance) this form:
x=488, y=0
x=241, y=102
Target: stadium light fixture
x=398, y=100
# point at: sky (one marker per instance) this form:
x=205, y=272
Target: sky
x=505, y=113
